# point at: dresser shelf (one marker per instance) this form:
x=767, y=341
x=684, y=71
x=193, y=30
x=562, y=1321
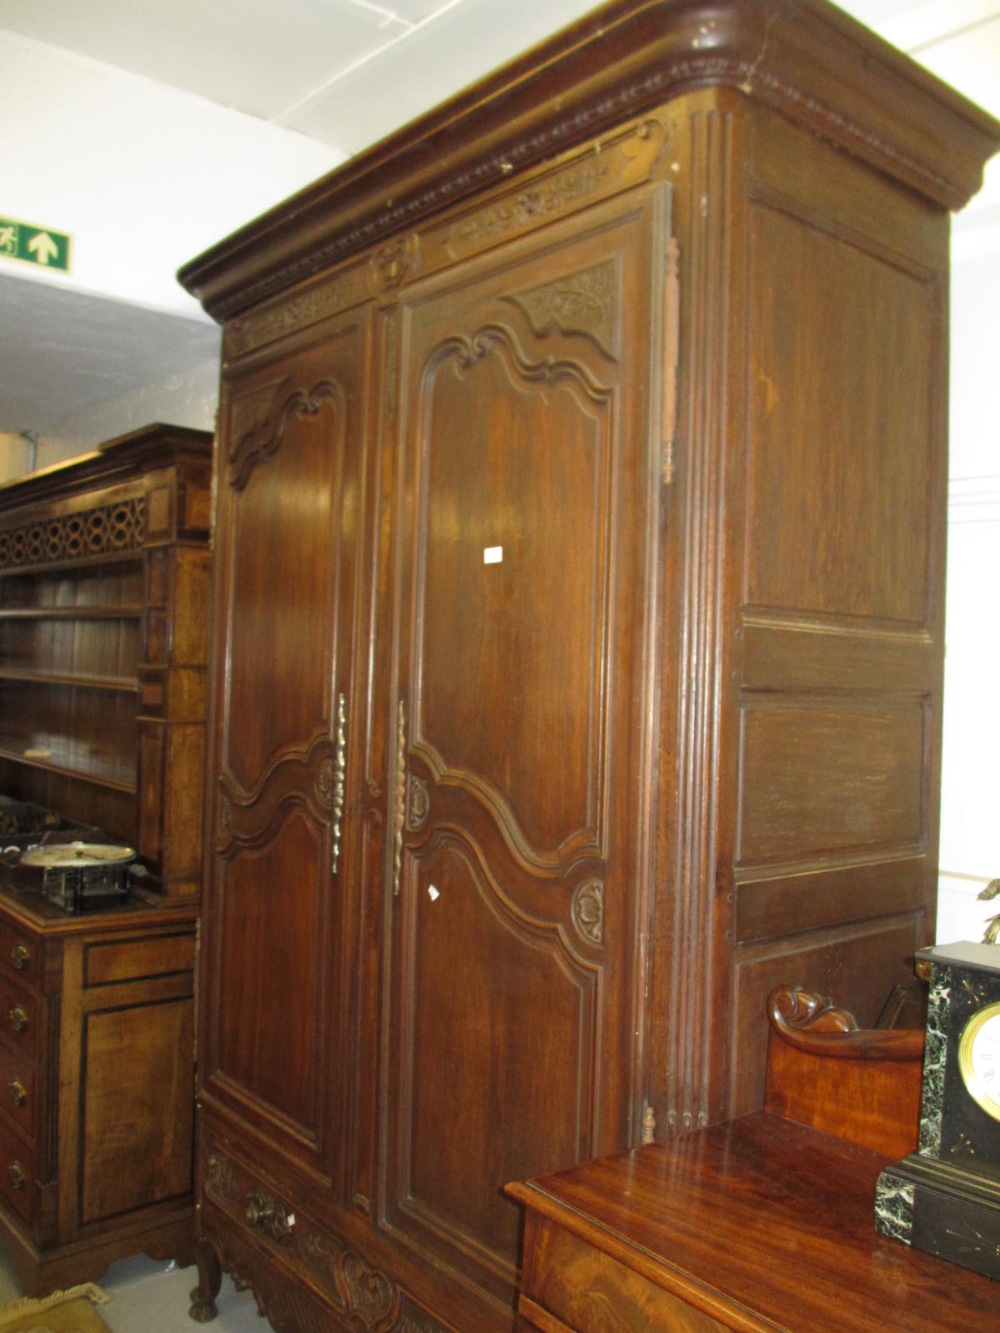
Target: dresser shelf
x=104, y=573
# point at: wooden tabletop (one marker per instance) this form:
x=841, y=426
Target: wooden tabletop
x=767, y=1221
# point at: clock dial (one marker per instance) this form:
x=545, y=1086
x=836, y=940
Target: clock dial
x=979, y=1059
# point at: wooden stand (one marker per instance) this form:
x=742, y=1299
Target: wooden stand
x=758, y=1224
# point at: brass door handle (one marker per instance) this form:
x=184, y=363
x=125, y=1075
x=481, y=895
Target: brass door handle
x=339, y=780
x=18, y=1092
x=17, y=1176
x=20, y=956
x=18, y=1018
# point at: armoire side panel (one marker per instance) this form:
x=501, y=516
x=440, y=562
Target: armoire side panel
x=841, y=596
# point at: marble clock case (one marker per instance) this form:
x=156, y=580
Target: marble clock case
x=945, y=1198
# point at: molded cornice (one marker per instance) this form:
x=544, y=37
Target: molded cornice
x=803, y=58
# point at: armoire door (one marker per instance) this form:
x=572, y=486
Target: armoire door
x=288, y=514
x=529, y=439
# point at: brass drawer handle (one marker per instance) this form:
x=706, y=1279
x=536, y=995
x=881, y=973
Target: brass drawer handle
x=20, y=956
x=18, y=1092
x=18, y=1018
x=269, y=1215
x=17, y=1177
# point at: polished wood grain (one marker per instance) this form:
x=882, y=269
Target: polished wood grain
x=756, y=1224
x=862, y=1084
x=586, y=439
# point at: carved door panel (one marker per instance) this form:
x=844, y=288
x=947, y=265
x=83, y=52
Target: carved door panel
x=529, y=436
x=289, y=506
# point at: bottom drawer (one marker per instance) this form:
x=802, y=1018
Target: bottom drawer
x=17, y=1174
x=259, y=1222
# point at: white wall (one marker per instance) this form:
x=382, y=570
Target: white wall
x=970, y=797
x=190, y=399
x=141, y=176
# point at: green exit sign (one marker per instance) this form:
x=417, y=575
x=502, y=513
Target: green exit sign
x=34, y=245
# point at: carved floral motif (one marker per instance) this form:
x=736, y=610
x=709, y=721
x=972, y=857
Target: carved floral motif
x=545, y=200
x=582, y=303
x=297, y=312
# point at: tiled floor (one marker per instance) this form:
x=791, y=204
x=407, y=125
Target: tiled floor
x=150, y=1297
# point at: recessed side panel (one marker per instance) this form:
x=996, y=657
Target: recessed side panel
x=841, y=632
x=136, y=1122
x=269, y=974
x=843, y=419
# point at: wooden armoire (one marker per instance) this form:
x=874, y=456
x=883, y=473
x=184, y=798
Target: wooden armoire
x=578, y=632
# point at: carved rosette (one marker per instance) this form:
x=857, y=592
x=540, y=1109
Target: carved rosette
x=588, y=911
x=418, y=804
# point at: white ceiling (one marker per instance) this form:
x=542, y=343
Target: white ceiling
x=343, y=72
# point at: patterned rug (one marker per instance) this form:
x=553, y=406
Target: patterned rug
x=63, y=1312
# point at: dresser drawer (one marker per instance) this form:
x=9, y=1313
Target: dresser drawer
x=17, y=1090
x=20, y=952
x=588, y=1291
x=17, y=1173
x=18, y=1017
x=252, y=1217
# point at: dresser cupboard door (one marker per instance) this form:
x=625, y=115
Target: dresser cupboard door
x=529, y=436
x=288, y=511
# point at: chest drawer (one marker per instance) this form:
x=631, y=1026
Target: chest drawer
x=17, y=1091
x=17, y=1173
x=18, y=1017
x=20, y=952
x=591, y=1292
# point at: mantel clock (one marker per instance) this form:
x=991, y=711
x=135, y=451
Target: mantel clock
x=945, y=1198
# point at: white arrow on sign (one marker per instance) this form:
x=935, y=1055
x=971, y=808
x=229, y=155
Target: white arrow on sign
x=43, y=247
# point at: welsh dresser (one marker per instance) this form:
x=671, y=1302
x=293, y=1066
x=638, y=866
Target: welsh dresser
x=104, y=590
x=578, y=609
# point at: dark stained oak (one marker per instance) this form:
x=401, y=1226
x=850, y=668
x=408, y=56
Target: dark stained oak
x=578, y=632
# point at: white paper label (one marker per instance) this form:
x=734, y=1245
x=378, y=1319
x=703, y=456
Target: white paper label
x=493, y=555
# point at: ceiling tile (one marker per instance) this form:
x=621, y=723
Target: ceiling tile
x=433, y=62
x=252, y=55
x=63, y=352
